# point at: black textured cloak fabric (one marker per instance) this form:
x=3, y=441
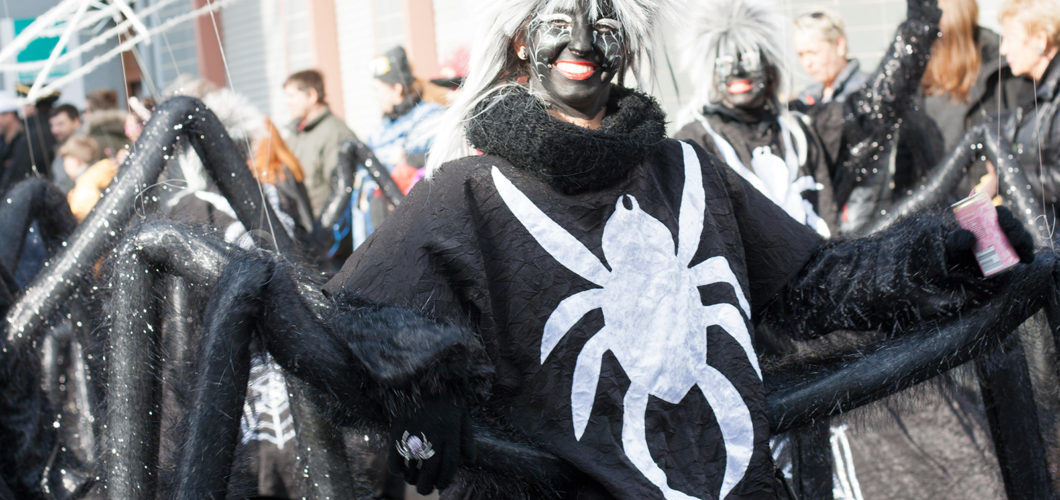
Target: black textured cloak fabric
x=455, y=250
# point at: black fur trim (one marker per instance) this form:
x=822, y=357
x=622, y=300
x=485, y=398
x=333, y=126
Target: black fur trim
x=516, y=126
x=409, y=357
x=899, y=277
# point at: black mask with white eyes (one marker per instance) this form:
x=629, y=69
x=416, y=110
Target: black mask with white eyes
x=743, y=79
x=573, y=58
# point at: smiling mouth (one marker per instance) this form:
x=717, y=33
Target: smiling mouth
x=739, y=86
x=576, y=70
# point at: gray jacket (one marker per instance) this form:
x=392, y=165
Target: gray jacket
x=316, y=145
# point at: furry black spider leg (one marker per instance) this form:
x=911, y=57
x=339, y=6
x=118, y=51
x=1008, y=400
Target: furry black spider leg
x=1005, y=384
x=24, y=409
x=33, y=199
x=133, y=413
x=236, y=307
x=1013, y=185
x=220, y=390
x=925, y=350
x=177, y=121
x=133, y=421
x=342, y=188
x=935, y=190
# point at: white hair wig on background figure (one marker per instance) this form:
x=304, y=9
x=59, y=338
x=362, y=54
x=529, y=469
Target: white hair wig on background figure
x=494, y=63
x=745, y=24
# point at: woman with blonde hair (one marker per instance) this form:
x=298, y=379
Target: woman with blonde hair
x=1025, y=144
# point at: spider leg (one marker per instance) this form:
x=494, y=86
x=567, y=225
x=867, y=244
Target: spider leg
x=693, y=206
x=33, y=199
x=24, y=410
x=559, y=243
x=233, y=315
x=567, y=313
x=728, y=318
x=220, y=389
x=795, y=399
x=586, y=377
x=734, y=420
x=715, y=270
x=133, y=364
x=635, y=442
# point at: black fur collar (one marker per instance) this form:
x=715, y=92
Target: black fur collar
x=516, y=126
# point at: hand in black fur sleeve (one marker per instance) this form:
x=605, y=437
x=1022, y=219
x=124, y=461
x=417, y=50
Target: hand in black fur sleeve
x=428, y=443
x=920, y=269
x=960, y=254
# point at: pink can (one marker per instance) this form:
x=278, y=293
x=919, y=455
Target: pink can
x=993, y=251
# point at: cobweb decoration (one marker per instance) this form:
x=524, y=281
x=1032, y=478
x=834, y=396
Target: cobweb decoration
x=72, y=17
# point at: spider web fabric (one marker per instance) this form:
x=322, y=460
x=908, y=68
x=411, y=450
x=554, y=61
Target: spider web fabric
x=455, y=250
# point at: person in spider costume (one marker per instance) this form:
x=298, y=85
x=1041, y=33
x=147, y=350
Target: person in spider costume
x=614, y=277
x=604, y=279
x=825, y=166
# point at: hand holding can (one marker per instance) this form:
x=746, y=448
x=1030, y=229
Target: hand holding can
x=992, y=249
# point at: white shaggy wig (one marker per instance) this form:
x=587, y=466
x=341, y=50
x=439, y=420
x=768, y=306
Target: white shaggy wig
x=494, y=64
x=747, y=26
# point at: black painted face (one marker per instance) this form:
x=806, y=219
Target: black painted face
x=574, y=58
x=743, y=80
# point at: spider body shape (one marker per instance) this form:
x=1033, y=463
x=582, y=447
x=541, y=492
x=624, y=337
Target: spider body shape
x=654, y=320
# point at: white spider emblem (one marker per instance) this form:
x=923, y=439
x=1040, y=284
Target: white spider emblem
x=654, y=320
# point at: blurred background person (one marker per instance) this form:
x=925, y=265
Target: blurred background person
x=315, y=134
x=408, y=125
x=91, y=175
x=16, y=160
x=966, y=79
x=65, y=120
x=135, y=119
x=821, y=44
x=105, y=122
x=35, y=121
x=1029, y=139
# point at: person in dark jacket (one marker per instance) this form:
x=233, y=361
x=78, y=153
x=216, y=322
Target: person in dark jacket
x=821, y=44
x=16, y=157
x=1026, y=152
x=315, y=134
x=811, y=164
x=967, y=79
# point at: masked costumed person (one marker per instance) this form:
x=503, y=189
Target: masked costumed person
x=812, y=164
x=615, y=277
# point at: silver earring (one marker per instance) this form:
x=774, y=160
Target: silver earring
x=522, y=52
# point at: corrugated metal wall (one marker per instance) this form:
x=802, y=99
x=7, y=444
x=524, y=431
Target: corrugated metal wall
x=243, y=34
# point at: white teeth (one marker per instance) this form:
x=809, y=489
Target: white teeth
x=574, y=68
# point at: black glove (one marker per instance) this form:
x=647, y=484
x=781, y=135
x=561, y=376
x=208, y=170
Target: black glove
x=960, y=252
x=924, y=10
x=439, y=430
x=1022, y=240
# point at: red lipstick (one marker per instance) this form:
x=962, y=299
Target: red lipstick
x=575, y=70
